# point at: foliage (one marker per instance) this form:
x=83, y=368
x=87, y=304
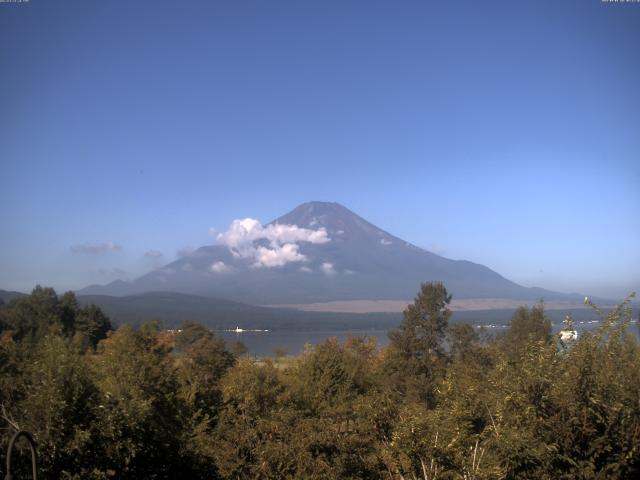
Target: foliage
x=32, y=317
x=526, y=326
x=415, y=360
x=440, y=402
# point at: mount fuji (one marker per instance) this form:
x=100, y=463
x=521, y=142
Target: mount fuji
x=318, y=252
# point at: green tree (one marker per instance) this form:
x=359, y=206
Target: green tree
x=12, y=382
x=68, y=308
x=58, y=407
x=463, y=342
x=527, y=326
x=201, y=364
x=92, y=324
x=138, y=406
x=204, y=361
x=323, y=379
x=595, y=428
x=31, y=317
x=251, y=394
x=416, y=356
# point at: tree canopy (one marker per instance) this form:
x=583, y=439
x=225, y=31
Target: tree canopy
x=439, y=402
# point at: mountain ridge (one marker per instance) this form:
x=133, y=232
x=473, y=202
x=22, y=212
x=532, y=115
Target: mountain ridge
x=352, y=259
x=172, y=308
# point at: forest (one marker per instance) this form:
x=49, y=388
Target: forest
x=441, y=401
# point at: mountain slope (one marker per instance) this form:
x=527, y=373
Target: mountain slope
x=6, y=296
x=173, y=308
x=352, y=260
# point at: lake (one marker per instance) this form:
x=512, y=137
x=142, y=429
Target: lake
x=262, y=344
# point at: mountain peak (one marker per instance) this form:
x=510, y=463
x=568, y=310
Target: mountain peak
x=357, y=261
x=328, y=215
x=339, y=222
x=320, y=208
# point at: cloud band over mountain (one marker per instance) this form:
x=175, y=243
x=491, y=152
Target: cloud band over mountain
x=274, y=245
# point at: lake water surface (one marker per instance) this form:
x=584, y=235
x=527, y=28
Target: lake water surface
x=262, y=344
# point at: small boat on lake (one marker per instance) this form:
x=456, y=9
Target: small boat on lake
x=242, y=330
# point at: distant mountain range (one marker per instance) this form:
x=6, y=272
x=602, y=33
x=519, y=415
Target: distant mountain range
x=6, y=296
x=172, y=308
x=318, y=252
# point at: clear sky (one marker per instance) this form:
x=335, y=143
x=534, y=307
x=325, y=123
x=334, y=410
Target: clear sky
x=506, y=133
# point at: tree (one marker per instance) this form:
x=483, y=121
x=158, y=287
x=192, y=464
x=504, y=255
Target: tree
x=463, y=341
x=68, y=311
x=59, y=405
x=596, y=424
x=238, y=348
x=416, y=357
x=250, y=395
x=92, y=324
x=139, y=405
x=204, y=361
x=323, y=379
x=32, y=317
x=527, y=326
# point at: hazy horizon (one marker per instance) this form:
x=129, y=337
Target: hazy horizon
x=500, y=133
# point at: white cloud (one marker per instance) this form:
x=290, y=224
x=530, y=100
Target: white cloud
x=219, y=267
x=96, y=248
x=153, y=254
x=305, y=269
x=242, y=235
x=278, y=256
x=327, y=268
x=384, y=241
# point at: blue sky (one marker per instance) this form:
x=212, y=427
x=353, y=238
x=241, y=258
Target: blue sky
x=506, y=133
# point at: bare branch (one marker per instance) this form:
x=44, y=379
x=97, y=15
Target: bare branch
x=12, y=423
x=495, y=429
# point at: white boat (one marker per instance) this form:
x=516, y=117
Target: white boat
x=241, y=330
x=568, y=335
